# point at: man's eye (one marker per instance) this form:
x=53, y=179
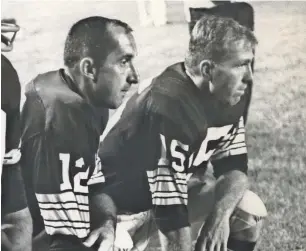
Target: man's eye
x=124, y=61
x=243, y=65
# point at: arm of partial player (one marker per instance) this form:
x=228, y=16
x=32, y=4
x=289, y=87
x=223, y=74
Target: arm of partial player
x=104, y=213
x=17, y=230
x=229, y=190
x=16, y=227
x=174, y=228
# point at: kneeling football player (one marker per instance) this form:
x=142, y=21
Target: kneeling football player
x=62, y=119
x=188, y=116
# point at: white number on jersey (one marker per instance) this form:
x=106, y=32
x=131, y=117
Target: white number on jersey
x=180, y=151
x=66, y=184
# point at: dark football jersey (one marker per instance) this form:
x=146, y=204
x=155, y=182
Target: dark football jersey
x=60, y=136
x=161, y=135
x=12, y=194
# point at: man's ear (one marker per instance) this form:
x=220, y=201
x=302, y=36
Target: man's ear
x=206, y=67
x=88, y=69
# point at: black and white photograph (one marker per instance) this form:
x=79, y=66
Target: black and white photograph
x=153, y=125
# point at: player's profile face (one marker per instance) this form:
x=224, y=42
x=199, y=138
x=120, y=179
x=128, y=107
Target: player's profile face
x=117, y=73
x=232, y=76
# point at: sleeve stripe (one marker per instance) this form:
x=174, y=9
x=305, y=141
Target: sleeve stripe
x=165, y=171
x=65, y=215
x=233, y=137
x=169, y=201
x=182, y=177
x=81, y=233
x=64, y=206
x=243, y=149
x=232, y=144
x=238, y=151
x=71, y=221
x=240, y=142
x=62, y=197
x=64, y=226
x=77, y=225
x=169, y=194
x=66, y=209
x=167, y=186
x=178, y=182
x=241, y=130
x=239, y=138
x=165, y=178
x=61, y=202
x=170, y=187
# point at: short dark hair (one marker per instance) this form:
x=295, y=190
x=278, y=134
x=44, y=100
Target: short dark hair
x=89, y=37
x=212, y=38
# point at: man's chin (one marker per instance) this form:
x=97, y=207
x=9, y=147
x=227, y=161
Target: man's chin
x=234, y=100
x=229, y=102
x=115, y=105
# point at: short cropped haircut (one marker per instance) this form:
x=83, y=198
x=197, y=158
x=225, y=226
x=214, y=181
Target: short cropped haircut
x=212, y=38
x=89, y=38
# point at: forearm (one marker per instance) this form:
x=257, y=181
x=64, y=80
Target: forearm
x=229, y=190
x=17, y=227
x=176, y=240
x=103, y=211
x=174, y=227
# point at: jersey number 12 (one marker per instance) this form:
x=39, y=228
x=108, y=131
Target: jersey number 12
x=66, y=184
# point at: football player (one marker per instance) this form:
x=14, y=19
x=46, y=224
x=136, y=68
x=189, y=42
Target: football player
x=16, y=225
x=189, y=115
x=64, y=114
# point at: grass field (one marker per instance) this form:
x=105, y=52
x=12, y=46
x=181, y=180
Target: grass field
x=276, y=130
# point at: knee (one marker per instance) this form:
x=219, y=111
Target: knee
x=247, y=219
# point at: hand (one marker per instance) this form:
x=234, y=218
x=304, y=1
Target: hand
x=214, y=234
x=6, y=242
x=104, y=237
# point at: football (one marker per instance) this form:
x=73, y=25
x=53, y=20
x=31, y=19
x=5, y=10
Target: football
x=248, y=215
x=252, y=204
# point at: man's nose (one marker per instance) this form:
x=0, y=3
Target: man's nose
x=248, y=75
x=133, y=77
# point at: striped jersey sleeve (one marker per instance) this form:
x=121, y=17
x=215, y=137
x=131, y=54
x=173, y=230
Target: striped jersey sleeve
x=231, y=152
x=65, y=213
x=168, y=187
x=232, y=144
x=168, y=177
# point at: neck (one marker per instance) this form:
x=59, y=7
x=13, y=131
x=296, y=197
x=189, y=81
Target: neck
x=197, y=80
x=68, y=73
x=79, y=84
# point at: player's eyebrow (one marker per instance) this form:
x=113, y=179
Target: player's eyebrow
x=128, y=56
x=244, y=61
x=248, y=60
